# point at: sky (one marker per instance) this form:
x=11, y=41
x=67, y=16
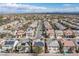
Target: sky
x=38, y=7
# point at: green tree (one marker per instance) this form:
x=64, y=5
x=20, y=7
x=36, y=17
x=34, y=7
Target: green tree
x=37, y=49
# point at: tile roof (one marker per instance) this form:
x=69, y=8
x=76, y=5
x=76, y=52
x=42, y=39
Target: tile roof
x=53, y=43
x=68, y=42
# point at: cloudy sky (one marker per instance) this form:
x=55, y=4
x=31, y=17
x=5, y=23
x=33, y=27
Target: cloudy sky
x=38, y=7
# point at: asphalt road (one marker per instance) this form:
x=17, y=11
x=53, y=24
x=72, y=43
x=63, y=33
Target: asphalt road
x=39, y=30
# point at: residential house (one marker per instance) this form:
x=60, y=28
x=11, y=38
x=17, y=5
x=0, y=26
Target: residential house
x=59, y=33
x=53, y=46
x=67, y=45
x=39, y=44
x=19, y=33
x=23, y=46
x=9, y=45
x=69, y=33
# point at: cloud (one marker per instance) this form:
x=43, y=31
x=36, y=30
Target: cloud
x=67, y=5
x=13, y=7
x=26, y=8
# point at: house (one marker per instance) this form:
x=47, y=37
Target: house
x=68, y=46
x=51, y=33
x=53, y=46
x=23, y=46
x=59, y=33
x=39, y=44
x=69, y=33
x=19, y=33
x=30, y=32
x=9, y=45
x=76, y=32
x=49, y=30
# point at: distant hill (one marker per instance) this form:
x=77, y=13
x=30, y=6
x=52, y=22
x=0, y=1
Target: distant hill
x=69, y=13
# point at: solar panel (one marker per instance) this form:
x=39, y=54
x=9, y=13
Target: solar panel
x=9, y=42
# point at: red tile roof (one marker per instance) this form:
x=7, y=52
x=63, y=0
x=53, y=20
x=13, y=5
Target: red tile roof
x=67, y=42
